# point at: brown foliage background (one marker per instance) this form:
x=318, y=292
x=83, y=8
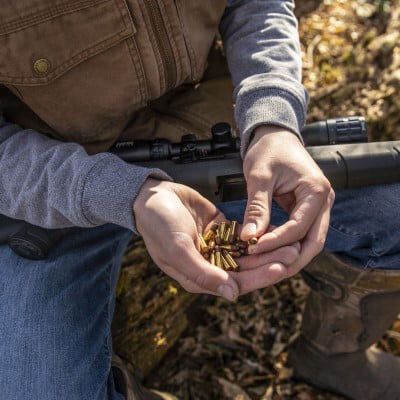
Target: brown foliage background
x=351, y=55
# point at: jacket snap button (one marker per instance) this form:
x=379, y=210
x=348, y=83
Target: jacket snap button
x=42, y=66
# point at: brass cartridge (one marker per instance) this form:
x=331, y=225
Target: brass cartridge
x=203, y=245
x=230, y=260
x=218, y=259
x=233, y=231
x=212, y=258
x=253, y=240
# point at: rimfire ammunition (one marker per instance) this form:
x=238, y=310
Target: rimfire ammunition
x=214, y=227
x=218, y=259
x=233, y=231
x=212, y=258
x=203, y=245
x=229, y=247
x=220, y=245
x=253, y=240
x=230, y=260
x=209, y=235
x=221, y=230
x=225, y=264
x=226, y=235
x=217, y=237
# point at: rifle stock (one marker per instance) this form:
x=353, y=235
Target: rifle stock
x=345, y=165
x=214, y=168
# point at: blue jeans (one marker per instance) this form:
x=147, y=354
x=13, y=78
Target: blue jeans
x=55, y=315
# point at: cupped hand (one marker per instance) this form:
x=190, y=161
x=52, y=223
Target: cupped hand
x=277, y=166
x=171, y=216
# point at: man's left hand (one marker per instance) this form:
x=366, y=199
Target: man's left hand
x=277, y=166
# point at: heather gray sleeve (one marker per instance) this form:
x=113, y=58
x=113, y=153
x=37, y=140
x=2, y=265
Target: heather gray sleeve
x=57, y=185
x=263, y=51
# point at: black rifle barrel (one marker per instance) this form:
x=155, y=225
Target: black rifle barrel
x=190, y=149
x=217, y=169
x=346, y=166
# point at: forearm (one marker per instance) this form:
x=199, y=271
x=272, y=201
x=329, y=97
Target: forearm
x=57, y=185
x=263, y=52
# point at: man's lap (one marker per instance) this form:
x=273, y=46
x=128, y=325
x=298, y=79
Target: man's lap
x=364, y=227
x=55, y=318
x=55, y=315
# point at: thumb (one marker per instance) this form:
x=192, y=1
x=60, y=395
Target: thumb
x=258, y=210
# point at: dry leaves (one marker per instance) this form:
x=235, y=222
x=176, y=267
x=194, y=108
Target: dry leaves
x=351, y=53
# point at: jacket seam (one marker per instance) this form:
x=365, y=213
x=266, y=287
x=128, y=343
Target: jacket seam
x=61, y=9
x=138, y=67
x=190, y=50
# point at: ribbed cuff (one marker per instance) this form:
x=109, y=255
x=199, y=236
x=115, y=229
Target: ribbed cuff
x=110, y=189
x=269, y=106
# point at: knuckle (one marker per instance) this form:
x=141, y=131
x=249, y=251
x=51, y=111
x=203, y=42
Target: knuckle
x=188, y=286
x=297, y=231
x=319, y=245
x=331, y=196
x=292, y=254
x=321, y=187
x=201, y=281
x=258, y=177
x=256, y=208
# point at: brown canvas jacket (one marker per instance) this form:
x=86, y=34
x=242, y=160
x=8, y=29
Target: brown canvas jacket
x=79, y=70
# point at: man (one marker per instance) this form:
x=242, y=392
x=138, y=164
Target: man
x=76, y=77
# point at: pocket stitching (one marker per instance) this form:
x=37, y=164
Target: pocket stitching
x=124, y=33
x=89, y=52
x=43, y=16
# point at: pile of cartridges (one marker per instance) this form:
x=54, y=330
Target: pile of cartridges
x=221, y=244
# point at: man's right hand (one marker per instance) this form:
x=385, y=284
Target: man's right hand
x=171, y=216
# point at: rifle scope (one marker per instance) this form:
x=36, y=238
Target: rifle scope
x=190, y=149
x=218, y=173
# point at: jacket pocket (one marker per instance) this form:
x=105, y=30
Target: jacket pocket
x=74, y=63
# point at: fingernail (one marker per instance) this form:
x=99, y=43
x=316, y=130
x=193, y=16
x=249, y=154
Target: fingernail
x=251, y=249
x=250, y=229
x=226, y=292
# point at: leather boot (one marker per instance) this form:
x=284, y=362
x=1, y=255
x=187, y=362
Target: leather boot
x=130, y=387
x=348, y=310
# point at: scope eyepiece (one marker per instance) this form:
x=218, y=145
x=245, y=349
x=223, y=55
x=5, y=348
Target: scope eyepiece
x=335, y=131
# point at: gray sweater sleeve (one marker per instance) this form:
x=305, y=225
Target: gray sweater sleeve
x=263, y=51
x=57, y=185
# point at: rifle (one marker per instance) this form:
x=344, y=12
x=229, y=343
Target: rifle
x=214, y=168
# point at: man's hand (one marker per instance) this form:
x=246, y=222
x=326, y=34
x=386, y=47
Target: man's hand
x=277, y=166
x=170, y=217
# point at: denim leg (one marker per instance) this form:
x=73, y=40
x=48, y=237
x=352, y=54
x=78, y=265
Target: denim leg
x=364, y=228
x=55, y=318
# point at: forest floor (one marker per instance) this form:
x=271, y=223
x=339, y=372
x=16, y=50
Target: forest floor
x=351, y=56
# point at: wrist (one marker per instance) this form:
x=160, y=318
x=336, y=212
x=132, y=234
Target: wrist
x=272, y=130
x=150, y=187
